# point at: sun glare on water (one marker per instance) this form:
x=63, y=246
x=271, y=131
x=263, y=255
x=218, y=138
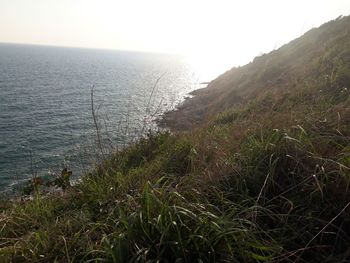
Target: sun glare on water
x=213, y=35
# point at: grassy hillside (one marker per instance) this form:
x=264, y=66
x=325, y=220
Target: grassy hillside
x=264, y=179
x=320, y=57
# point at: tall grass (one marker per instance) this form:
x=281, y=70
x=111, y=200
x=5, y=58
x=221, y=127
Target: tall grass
x=267, y=181
x=279, y=195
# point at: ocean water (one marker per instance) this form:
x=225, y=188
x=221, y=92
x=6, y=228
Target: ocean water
x=45, y=105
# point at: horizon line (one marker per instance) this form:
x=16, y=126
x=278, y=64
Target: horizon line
x=92, y=48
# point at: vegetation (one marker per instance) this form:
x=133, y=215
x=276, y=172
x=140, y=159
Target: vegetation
x=266, y=180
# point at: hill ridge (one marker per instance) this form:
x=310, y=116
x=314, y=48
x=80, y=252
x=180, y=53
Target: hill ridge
x=281, y=68
x=265, y=178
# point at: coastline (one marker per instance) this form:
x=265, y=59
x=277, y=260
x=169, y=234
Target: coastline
x=186, y=114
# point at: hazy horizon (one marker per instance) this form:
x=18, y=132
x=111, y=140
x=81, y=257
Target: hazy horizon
x=220, y=33
x=92, y=48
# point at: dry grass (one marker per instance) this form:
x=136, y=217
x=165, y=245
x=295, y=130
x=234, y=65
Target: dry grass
x=264, y=181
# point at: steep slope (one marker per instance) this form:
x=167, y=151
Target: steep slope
x=267, y=180
x=322, y=52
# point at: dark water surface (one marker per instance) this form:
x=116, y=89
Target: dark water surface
x=45, y=105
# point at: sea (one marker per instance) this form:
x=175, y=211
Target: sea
x=57, y=104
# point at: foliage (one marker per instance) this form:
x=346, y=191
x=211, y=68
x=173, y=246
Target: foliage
x=264, y=181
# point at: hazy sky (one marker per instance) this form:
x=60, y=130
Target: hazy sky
x=220, y=30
